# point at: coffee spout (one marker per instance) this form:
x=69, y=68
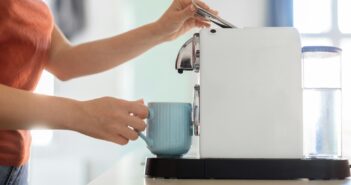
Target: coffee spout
x=188, y=55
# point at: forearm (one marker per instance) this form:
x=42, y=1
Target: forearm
x=104, y=118
x=24, y=110
x=101, y=55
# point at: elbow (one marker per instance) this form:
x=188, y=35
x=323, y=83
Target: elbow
x=59, y=70
x=62, y=76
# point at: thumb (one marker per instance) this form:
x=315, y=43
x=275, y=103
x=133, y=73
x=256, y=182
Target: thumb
x=188, y=12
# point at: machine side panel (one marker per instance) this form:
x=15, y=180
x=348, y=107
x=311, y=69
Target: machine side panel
x=251, y=93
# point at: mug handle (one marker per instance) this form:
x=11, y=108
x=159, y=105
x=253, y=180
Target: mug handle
x=147, y=140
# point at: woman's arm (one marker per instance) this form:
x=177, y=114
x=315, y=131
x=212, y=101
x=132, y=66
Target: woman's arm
x=24, y=110
x=68, y=61
x=105, y=118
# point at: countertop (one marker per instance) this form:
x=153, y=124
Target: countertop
x=132, y=177
x=131, y=172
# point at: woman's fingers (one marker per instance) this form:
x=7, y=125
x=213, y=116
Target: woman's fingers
x=112, y=135
x=202, y=24
x=187, y=13
x=206, y=7
x=119, y=140
x=128, y=133
x=198, y=23
x=112, y=119
x=137, y=109
x=120, y=133
x=201, y=19
x=135, y=122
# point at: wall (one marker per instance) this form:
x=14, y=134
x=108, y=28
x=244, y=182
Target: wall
x=150, y=76
x=243, y=13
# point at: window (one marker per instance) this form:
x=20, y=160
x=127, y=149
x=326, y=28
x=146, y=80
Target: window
x=327, y=22
x=45, y=86
x=312, y=16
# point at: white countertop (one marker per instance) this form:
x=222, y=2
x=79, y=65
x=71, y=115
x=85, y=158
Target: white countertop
x=115, y=176
x=131, y=172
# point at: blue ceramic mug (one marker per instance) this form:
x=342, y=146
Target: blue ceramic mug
x=169, y=129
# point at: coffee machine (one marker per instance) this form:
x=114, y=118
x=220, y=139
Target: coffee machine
x=249, y=91
x=247, y=108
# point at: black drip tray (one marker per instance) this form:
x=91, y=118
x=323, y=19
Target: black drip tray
x=185, y=168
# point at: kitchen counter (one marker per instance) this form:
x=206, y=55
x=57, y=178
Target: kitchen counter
x=135, y=177
x=131, y=172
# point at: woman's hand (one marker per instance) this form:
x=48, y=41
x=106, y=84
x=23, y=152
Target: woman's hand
x=67, y=61
x=111, y=119
x=180, y=18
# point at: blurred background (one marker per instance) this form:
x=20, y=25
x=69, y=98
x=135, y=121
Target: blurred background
x=72, y=158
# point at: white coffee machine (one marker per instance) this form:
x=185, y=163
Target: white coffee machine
x=247, y=109
x=250, y=105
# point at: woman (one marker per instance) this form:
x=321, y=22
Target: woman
x=30, y=43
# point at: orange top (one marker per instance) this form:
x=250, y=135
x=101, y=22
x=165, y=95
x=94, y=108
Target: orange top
x=25, y=33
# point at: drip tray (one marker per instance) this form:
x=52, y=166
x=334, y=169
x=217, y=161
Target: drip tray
x=187, y=168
